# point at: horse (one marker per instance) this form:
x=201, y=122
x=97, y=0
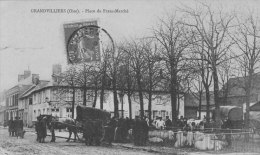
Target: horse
x=61, y=123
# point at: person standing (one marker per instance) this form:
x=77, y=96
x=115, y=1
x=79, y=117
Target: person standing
x=11, y=127
x=160, y=124
x=16, y=125
x=144, y=131
x=168, y=123
x=228, y=126
x=37, y=129
x=137, y=131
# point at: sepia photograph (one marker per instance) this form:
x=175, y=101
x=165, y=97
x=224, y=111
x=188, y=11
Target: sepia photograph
x=129, y=77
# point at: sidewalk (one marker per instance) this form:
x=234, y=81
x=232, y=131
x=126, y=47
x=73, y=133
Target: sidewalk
x=175, y=151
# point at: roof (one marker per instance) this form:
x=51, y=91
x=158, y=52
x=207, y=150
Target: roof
x=28, y=92
x=191, y=101
x=255, y=107
x=41, y=85
x=34, y=88
x=234, y=113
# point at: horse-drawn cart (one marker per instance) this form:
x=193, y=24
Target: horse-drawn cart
x=233, y=123
x=92, y=122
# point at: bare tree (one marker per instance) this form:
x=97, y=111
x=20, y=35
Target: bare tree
x=114, y=58
x=173, y=40
x=247, y=40
x=135, y=50
x=201, y=68
x=89, y=80
x=197, y=89
x=226, y=71
x=213, y=27
x=152, y=73
x=103, y=71
x=127, y=82
x=68, y=85
x=84, y=79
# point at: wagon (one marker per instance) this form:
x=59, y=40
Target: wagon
x=235, y=115
x=92, y=123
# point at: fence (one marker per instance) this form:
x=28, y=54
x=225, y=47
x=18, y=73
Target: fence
x=209, y=139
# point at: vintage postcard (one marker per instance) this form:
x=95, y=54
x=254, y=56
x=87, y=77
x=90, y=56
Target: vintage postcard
x=129, y=77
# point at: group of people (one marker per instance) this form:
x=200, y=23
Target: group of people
x=127, y=130
x=15, y=127
x=160, y=124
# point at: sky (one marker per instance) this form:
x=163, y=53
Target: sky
x=35, y=41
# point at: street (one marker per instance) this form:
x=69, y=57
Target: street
x=28, y=145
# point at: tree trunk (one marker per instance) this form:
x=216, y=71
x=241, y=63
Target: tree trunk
x=200, y=100
x=140, y=95
x=95, y=98
x=208, y=104
x=248, y=92
x=173, y=89
x=216, y=90
x=103, y=85
x=130, y=104
x=84, y=96
x=73, y=101
x=101, y=97
x=122, y=105
x=178, y=108
x=150, y=105
x=115, y=98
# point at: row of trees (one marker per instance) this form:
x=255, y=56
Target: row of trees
x=194, y=50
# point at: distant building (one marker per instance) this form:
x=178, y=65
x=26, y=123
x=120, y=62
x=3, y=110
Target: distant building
x=191, y=102
x=32, y=97
x=235, y=91
x=2, y=115
x=12, y=95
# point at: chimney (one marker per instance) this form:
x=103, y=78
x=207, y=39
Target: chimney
x=35, y=78
x=27, y=74
x=56, y=69
x=20, y=77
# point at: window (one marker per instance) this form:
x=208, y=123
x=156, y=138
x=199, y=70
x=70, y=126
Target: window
x=38, y=97
x=69, y=109
x=30, y=101
x=163, y=112
x=155, y=113
x=78, y=95
x=136, y=113
x=55, y=110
